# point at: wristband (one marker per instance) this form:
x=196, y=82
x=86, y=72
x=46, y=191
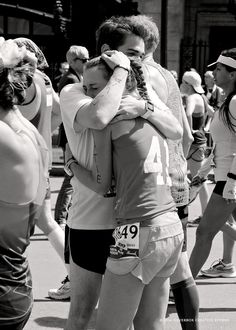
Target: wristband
x=122, y=67
x=67, y=166
x=149, y=109
x=231, y=176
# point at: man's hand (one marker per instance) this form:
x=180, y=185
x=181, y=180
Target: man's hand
x=115, y=58
x=130, y=108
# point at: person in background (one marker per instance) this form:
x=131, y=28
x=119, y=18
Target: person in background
x=76, y=56
x=23, y=177
x=222, y=202
x=222, y=267
x=63, y=68
x=175, y=75
x=196, y=113
x=41, y=107
x=215, y=97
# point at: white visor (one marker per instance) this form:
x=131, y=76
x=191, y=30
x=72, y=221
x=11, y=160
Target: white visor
x=225, y=60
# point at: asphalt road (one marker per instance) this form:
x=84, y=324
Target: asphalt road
x=217, y=296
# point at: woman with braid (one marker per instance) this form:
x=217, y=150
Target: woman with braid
x=148, y=237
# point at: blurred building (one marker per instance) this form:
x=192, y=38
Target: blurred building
x=193, y=32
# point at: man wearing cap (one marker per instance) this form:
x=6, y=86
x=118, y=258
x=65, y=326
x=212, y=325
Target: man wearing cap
x=196, y=113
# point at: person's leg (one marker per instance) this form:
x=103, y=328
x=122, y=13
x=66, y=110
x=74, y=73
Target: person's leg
x=183, y=285
x=89, y=251
x=185, y=294
x=85, y=290
x=63, y=292
x=119, y=300
x=153, y=305
x=63, y=201
x=215, y=216
x=228, y=245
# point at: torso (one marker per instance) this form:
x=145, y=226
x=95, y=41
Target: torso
x=140, y=158
x=89, y=210
x=21, y=198
x=225, y=145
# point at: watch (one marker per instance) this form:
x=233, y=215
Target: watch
x=67, y=166
x=149, y=109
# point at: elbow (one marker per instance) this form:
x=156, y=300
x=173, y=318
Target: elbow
x=99, y=123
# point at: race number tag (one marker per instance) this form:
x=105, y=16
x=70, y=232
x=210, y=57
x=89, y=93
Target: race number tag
x=126, y=241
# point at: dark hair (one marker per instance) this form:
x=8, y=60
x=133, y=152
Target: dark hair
x=147, y=29
x=229, y=53
x=13, y=83
x=225, y=114
x=113, y=32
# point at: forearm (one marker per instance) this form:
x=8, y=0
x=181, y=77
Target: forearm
x=166, y=123
x=102, y=109
x=187, y=135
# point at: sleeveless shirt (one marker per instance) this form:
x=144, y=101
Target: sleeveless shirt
x=16, y=226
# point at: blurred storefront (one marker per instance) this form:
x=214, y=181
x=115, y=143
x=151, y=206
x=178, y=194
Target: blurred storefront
x=192, y=32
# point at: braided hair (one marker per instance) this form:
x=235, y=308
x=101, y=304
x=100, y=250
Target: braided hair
x=137, y=71
x=135, y=77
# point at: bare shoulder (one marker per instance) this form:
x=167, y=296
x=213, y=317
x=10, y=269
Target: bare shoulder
x=8, y=141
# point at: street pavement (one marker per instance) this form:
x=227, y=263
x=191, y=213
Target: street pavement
x=217, y=296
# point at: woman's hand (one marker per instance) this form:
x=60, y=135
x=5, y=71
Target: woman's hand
x=130, y=108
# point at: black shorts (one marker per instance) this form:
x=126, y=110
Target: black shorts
x=183, y=215
x=90, y=248
x=219, y=187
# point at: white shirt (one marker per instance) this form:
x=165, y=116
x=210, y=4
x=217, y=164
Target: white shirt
x=225, y=142
x=89, y=210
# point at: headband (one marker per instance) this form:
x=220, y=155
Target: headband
x=226, y=60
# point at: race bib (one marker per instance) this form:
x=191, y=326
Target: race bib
x=126, y=241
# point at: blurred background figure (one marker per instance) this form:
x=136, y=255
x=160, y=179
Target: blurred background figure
x=191, y=87
x=63, y=68
x=174, y=74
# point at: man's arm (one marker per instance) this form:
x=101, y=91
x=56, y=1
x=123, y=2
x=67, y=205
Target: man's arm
x=161, y=118
x=56, y=119
x=100, y=111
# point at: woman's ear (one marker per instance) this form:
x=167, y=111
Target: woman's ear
x=105, y=47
